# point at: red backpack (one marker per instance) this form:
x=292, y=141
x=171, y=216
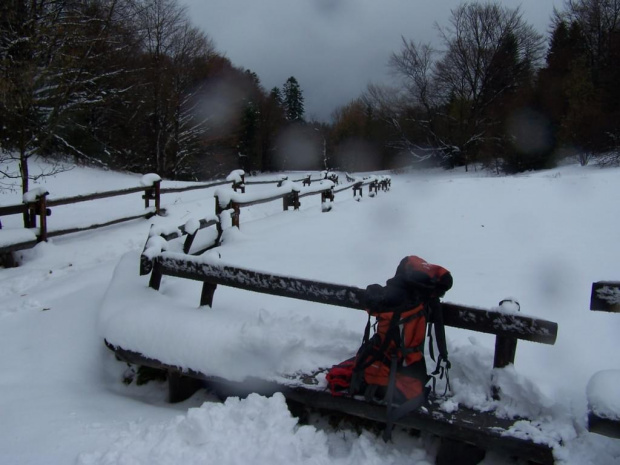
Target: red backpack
x=390, y=367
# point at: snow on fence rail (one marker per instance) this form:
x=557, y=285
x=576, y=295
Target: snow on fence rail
x=290, y=193
x=230, y=200
x=36, y=206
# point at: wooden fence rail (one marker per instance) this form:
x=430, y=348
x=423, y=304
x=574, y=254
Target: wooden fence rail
x=41, y=209
x=290, y=198
x=38, y=207
x=174, y=190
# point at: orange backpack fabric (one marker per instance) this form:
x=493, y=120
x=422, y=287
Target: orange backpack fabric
x=397, y=345
x=390, y=366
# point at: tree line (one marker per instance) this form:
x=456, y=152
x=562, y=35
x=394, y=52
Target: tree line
x=498, y=94
x=133, y=85
x=130, y=85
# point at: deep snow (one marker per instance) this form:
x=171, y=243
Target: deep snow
x=539, y=238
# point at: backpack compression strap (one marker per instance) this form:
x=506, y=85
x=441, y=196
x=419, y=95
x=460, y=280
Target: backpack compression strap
x=394, y=413
x=436, y=319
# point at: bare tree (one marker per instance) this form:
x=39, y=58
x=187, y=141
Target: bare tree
x=489, y=51
x=177, y=56
x=414, y=64
x=421, y=99
x=46, y=49
x=599, y=21
x=398, y=108
x=594, y=116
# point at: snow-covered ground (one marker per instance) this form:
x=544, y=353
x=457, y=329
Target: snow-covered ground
x=541, y=238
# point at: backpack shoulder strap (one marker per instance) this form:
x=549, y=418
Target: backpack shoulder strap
x=435, y=319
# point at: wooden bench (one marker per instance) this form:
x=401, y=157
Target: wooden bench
x=604, y=297
x=462, y=428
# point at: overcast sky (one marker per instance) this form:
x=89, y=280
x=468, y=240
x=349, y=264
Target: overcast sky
x=333, y=47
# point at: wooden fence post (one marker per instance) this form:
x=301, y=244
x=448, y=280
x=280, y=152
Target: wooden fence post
x=156, y=275
x=505, y=351
x=357, y=188
x=157, y=188
x=291, y=200
x=239, y=185
x=32, y=216
x=236, y=214
x=181, y=387
x=327, y=195
x=153, y=193
x=373, y=186
x=38, y=208
x=218, y=209
x=206, y=295
x=42, y=211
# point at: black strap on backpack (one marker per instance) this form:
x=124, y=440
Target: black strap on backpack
x=443, y=363
x=368, y=353
x=395, y=412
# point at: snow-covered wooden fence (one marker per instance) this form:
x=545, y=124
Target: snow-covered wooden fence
x=37, y=206
x=289, y=192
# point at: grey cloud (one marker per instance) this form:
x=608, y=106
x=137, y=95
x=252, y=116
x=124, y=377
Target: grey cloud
x=333, y=47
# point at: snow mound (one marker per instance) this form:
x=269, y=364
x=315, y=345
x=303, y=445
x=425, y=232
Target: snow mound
x=240, y=431
x=149, y=179
x=604, y=394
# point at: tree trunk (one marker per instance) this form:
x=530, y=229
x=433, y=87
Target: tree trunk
x=23, y=169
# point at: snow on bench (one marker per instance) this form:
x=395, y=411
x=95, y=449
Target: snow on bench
x=230, y=349
x=603, y=394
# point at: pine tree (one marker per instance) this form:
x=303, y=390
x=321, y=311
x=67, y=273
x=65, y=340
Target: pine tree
x=248, y=146
x=276, y=96
x=293, y=100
